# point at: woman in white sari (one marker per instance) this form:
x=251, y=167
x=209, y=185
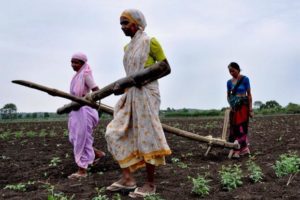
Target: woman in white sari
x=135, y=136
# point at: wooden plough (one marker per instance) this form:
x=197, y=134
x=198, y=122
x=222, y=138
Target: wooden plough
x=78, y=102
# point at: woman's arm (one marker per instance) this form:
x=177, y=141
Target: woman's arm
x=250, y=102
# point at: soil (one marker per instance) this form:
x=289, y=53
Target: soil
x=28, y=148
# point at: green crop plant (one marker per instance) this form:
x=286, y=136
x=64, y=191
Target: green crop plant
x=52, y=134
x=66, y=133
x=57, y=195
x=231, y=176
x=287, y=164
x=19, y=134
x=179, y=163
x=16, y=187
x=42, y=133
x=117, y=196
x=100, y=195
x=19, y=186
x=200, y=186
x=31, y=134
x=4, y=136
x=153, y=197
x=54, y=161
x=256, y=173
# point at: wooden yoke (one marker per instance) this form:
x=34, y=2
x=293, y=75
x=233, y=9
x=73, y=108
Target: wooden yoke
x=109, y=110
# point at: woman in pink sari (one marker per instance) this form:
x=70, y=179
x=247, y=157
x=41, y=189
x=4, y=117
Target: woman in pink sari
x=82, y=122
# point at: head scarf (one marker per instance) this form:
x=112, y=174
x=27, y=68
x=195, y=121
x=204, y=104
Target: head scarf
x=80, y=56
x=135, y=16
x=78, y=82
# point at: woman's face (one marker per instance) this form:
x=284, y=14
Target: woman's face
x=128, y=27
x=234, y=72
x=76, y=64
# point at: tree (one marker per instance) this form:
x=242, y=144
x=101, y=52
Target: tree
x=10, y=106
x=270, y=105
x=257, y=104
x=9, y=111
x=293, y=108
x=46, y=115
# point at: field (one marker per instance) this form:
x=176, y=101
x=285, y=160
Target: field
x=36, y=158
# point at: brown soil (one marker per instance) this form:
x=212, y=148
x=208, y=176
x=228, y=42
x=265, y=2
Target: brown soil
x=27, y=158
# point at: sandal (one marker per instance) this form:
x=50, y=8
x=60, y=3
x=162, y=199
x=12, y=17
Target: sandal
x=137, y=194
x=77, y=176
x=115, y=187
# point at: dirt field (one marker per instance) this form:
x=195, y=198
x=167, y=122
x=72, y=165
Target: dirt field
x=27, y=149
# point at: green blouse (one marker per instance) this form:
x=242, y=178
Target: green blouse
x=156, y=53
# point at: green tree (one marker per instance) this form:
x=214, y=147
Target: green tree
x=270, y=105
x=293, y=108
x=257, y=104
x=46, y=115
x=9, y=111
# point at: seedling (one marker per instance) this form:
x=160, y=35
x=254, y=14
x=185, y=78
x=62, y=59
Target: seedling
x=200, y=186
x=100, y=196
x=66, y=133
x=179, y=163
x=231, y=176
x=4, y=136
x=31, y=134
x=117, y=196
x=19, y=134
x=42, y=133
x=16, y=187
x=54, y=162
x=153, y=197
x=256, y=174
x=52, y=134
x=19, y=186
x=57, y=196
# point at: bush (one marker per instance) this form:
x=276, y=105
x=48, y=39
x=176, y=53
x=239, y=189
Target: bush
x=292, y=108
x=287, y=164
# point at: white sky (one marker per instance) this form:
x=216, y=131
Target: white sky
x=199, y=37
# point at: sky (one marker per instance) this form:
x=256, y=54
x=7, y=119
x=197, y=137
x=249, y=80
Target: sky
x=199, y=37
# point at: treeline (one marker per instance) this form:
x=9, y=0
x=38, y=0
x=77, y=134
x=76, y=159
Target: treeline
x=34, y=115
x=268, y=108
x=9, y=112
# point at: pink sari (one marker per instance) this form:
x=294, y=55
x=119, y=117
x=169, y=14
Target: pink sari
x=82, y=122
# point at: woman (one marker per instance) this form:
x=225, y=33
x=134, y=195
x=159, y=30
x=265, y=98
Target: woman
x=240, y=100
x=135, y=136
x=83, y=121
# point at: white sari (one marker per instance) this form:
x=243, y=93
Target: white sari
x=135, y=135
